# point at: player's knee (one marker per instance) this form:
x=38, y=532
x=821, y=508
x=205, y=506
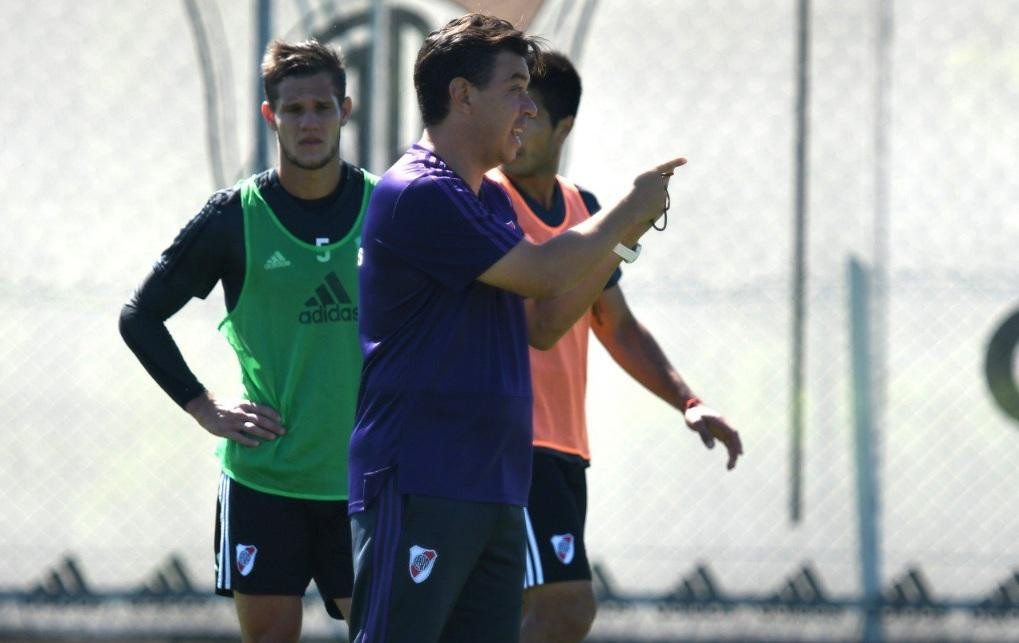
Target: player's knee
x=269, y=619
x=579, y=616
x=288, y=632
x=564, y=613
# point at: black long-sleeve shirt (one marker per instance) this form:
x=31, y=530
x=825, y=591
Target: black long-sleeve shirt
x=210, y=249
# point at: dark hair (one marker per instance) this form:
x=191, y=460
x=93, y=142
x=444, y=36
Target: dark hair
x=284, y=60
x=466, y=48
x=559, y=85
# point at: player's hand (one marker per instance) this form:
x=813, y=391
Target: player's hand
x=244, y=422
x=712, y=426
x=647, y=197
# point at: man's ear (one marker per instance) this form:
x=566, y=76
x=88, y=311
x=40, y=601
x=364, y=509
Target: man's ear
x=346, y=108
x=563, y=129
x=460, y=95
x=268, y=115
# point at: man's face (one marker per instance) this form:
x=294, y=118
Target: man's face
x=539, y=152
x=503, y=109
x=307, y=119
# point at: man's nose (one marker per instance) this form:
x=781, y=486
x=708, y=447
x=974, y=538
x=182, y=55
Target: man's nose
x=530, y=107
x=308, y=119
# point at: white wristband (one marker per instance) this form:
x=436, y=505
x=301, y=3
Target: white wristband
x=629, y=255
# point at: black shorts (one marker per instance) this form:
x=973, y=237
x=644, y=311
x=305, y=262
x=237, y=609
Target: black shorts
x=435, y=569
x=555, y=517
x=269, y=544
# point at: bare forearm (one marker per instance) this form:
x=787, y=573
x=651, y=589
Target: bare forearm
x=550, y=319
x=633, y=347
x=594, y=250
x=202, y=408
x=548, y=270
x=554, y=268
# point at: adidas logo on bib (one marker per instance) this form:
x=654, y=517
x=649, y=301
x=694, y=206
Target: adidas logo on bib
x=277, y=260
x=330, y=303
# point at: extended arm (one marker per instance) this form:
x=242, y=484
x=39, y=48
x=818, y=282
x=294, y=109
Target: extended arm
x=545, y=271
x=634, y=348
x=549, y=319
x=563, y=276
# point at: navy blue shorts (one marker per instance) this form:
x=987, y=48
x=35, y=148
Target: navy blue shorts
x=555, y=518
x=434, y=569
x=275, y=545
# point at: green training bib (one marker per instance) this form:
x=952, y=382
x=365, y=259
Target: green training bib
x=294, y=330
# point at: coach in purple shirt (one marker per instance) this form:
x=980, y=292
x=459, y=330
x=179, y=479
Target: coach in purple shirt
x=451, y=296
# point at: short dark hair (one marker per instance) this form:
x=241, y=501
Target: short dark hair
x=466, y=48
x=285, y=60
x=559, y=85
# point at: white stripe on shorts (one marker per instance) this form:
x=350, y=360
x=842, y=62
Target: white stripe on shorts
x=529, y=569
x=534, y=575
x=223, y=559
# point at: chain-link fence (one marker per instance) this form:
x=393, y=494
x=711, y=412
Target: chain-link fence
x=121, y=118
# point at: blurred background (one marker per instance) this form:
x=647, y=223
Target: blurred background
x=840, y=277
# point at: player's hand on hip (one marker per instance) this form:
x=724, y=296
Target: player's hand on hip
x=647, y=198
x=712, y=426
x=244, y=422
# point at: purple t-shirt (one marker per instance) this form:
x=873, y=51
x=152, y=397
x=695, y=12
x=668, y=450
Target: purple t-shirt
x=445, y=400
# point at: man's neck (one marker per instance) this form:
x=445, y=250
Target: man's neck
x=310, y=184
x=540, y=187
x=455, y=150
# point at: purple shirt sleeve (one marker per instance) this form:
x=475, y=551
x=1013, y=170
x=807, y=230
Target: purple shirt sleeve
x=446, y=231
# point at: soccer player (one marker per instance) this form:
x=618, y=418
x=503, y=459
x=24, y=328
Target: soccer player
x=559, y=601
x=440, y=458
x=284, y=244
